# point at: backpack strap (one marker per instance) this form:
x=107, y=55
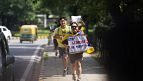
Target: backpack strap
x=70, y=30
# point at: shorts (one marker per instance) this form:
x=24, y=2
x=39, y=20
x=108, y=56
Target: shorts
x=62, y=51
x=75, y=57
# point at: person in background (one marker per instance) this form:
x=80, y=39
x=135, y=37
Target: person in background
x=59, y=34
x=50, y=38
x=55, y=42
x=82, y=25
x=55, y=46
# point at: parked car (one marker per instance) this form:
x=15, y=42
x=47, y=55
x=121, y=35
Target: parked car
x=6, y=31
x=6, y=61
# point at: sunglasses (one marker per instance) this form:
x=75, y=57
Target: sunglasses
x=74, y=27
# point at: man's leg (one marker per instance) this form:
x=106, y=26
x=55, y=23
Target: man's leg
x=62, y=53
x=79, y=70
x=74, y=71
x=56, y=52
x=65, y=63
x=55, y=46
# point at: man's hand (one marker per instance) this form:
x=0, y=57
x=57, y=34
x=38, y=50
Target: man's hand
x=66, y=46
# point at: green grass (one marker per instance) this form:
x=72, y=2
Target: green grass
x=43, y=31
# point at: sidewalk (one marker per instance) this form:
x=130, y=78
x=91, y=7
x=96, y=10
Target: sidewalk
x=52, y=69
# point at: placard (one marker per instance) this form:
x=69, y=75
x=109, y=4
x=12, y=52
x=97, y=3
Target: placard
x=75, y=18
x=77, y=44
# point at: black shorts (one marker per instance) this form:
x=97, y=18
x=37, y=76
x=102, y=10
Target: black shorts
x=62, y=51
x=75, y=57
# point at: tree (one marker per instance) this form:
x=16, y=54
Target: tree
x=18, y=10
x=123, y=42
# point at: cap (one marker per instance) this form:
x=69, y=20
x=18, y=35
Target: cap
x=74, y=24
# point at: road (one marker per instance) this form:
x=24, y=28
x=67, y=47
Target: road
x=27, y=57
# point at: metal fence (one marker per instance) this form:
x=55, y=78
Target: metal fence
x=101, y=45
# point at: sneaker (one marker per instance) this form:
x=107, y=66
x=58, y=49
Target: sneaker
x=74, y=77
x=60, y=56
x=56, y=53
x=64, y=72
x=78, y=79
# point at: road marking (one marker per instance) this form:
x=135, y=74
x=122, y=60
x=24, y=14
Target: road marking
x=25, y=74
x=23, y=47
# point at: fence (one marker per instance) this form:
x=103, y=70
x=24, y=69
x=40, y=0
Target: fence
x=101, y=45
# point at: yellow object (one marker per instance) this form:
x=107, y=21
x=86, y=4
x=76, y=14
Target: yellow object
x=66, y=36
x=90, y=50
x=28, y=33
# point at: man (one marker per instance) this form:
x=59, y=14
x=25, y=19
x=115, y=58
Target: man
x=60, y=34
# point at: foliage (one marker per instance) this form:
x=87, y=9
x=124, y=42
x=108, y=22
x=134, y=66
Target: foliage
x=93, y=11
x=25, y=10
x=21, y=11
x=126, y=10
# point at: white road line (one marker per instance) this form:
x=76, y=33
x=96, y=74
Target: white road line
x=25, y=74
x=23, y=47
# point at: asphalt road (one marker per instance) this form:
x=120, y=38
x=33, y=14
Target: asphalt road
x=27, y=58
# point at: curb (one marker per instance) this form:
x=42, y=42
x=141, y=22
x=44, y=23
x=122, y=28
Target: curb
x=37, y=68
x=15, y=38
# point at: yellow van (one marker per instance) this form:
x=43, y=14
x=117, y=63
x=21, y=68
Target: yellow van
x=28, y=33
